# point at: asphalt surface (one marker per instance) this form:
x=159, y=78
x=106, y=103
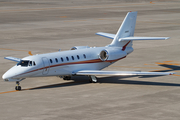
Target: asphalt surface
x=42, y=26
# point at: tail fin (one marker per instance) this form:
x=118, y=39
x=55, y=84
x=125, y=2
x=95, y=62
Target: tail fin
x=126, y=30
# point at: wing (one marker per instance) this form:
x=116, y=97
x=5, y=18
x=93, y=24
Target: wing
x=108, y=35
x=119, y=73
x=13, y=59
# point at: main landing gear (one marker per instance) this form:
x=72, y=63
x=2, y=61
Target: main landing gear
x=67, y=78
x=17, y=86
x=93, y=79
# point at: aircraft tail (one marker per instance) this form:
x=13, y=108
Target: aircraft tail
x=126, y=30
x=125, y=35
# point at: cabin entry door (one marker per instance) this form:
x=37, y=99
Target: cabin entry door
x=46, y=66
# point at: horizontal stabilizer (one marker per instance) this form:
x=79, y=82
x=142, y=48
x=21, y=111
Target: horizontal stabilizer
x=111, y=36
x=119, y=73
x=107, y=35
x=143, y=38
x=13, y=59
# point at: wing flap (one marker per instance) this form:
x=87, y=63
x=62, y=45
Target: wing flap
x=119, y=73
x=13, y=59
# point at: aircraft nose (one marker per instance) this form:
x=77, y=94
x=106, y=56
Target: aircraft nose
x=8, y=75
x=5, y=76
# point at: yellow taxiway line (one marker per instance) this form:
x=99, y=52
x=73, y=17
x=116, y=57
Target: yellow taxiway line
x=29, y=52
x=12, y=49
x=8, y=92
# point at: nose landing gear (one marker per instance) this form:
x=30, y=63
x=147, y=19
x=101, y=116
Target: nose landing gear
x=17, y=86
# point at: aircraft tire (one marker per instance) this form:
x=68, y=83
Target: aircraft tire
x=18, y=88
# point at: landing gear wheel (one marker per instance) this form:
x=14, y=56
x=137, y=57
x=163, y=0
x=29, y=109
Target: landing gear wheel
x=90, y=81
x=17, y=86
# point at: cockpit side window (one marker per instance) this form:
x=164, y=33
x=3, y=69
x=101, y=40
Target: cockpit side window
x=30, y=63
x=23, y=63
x=34, y=63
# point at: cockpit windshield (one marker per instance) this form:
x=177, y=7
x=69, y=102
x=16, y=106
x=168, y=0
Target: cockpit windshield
x=25, y=63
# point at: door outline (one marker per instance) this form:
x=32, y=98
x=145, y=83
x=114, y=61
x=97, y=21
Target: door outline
x=46, y=66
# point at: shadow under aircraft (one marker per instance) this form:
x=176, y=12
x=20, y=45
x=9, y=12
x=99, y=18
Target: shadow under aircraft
x=82, y=80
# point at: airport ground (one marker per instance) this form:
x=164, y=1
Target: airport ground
x=42, y=26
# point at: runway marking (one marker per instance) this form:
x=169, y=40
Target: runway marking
x=17, y=90
x=169, y=63
x=173, y=61
x=152, y=2
x=160, y=70
x=176, y=75
x=166, y=63
x=29, y=52
x=63, y=16
x=8, y=92
x=13, y=49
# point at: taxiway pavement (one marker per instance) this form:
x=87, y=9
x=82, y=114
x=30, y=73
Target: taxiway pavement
x=47, y=26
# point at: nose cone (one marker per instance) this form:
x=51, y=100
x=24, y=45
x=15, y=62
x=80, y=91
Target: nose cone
x=4, y=76
x=9, y=74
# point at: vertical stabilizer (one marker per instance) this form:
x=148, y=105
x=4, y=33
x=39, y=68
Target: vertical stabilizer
x=126, y=30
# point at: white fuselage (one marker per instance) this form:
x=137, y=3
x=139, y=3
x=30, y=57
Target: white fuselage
x=63, y=63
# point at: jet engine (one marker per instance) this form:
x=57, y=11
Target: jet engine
x=112, y=54
x=79, y=47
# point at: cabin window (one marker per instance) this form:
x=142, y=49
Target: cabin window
x=67, y=58
x=84, y=56
x=56, y=60
x=34, y=63
x=78, y=57
x=62, y=59
x=51, y=61
x=72, y=57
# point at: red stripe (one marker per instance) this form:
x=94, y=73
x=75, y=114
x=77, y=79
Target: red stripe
x=124, y=47
x=80, y=62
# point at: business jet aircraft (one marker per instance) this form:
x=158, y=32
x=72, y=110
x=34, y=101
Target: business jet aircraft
x=82, y=60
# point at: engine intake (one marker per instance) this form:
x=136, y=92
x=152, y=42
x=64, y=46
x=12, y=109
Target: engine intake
x=103, y=55
x=112, y=54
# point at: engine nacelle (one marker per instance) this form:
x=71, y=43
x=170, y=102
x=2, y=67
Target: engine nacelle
x=79, y=47
x=112, y=54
